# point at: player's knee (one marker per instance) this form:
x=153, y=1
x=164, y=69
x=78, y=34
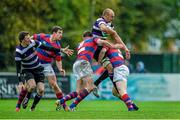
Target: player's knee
x=31, y=87
x=109, y=68
x=52, y=84
x=41, y=91
x=90, y=88
x=56, y=88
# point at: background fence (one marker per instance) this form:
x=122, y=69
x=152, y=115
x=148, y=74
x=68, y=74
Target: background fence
x=9, y=82
x=141, y=87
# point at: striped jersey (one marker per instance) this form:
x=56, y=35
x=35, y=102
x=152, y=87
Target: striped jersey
x=96, y=31
x=115, y=57
x=87, y=48
x=28, y=56
x=46, y=56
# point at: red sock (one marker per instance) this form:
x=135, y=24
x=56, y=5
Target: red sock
x=127, y=101
x=21, y=97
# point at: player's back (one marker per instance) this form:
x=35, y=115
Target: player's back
x=87, y=48
x=115, y=56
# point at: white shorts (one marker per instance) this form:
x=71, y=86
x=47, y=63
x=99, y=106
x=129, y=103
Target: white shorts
x=82, y=68
x=48, y=70
x=121, y=73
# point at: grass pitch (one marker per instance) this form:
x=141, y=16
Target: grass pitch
x=100, y=109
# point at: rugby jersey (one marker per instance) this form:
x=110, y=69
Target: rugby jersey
x=115, y=57
x=87, y=48
x=45, y=56
x=96, y=31
x=27, y=55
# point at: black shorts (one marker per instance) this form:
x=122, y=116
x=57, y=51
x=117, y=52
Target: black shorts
x=36, y=74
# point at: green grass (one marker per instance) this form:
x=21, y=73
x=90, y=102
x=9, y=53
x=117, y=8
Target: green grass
x=92, y=110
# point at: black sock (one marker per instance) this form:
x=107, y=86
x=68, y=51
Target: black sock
x=101, y=78
x=37, y=98
x=111, y=76
x=114, y=84
x=28, y=95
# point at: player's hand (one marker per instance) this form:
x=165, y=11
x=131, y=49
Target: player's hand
x=63, y=72
x=128, y=55
x=68, y=51
x=20, y=87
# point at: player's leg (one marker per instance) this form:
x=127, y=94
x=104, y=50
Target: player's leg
x=107, y=73
x=51, y=77
x=69, y=96
x=101, y=78
x=120, y=78
x=40, y=93
x=88, y=87
x=50, y=74
x=105, y=63
x=53, y=83
x=21, y=96
x=39, y=79
x=74, y=94
x=77, y=73
x=30, y=85
x=83, y=71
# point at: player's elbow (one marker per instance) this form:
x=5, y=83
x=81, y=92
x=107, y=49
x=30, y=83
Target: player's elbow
x=113, y=33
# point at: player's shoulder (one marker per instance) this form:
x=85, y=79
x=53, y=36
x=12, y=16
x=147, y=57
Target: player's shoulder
x=42, y=35
x=100, y=19
x=18, y=47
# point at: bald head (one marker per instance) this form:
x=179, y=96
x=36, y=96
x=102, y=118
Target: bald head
x=107, y=11
x=108, y=14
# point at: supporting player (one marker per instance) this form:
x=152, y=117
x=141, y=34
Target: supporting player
x=48, y=57
x=28, y=65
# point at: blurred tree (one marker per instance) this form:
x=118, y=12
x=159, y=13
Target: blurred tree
x=135, y=20
x=143, y=18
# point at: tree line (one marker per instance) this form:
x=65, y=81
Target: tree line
x=135, y=21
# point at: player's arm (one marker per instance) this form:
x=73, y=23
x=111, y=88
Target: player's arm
x=108, y=44
x=58, y=60
x=37, y=36
x=42, y=46
x=67, y=51
x=59, y=66
x=102, y=54
x=116, y=37
x=18, y=70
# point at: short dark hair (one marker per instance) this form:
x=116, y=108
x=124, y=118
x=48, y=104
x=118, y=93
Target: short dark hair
x=87, y=34
x=22, y=35
x=56, y=28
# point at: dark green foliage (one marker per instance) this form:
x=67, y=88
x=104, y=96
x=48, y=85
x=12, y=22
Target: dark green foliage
x=135, y=20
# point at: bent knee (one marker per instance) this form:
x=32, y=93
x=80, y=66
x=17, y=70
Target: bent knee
x=41, y=91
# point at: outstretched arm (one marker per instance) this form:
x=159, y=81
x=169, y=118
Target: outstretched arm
x=42, y=46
